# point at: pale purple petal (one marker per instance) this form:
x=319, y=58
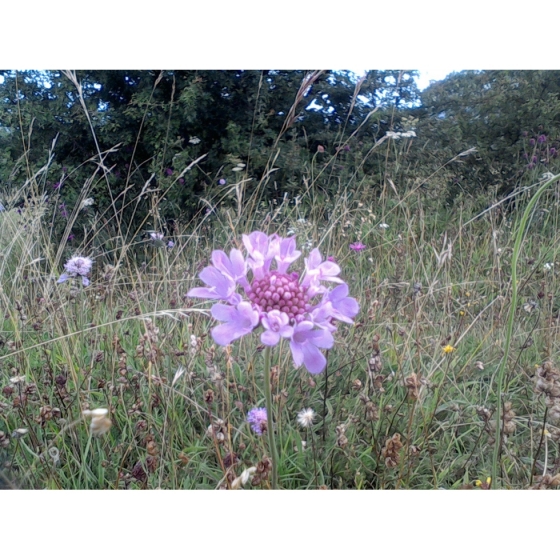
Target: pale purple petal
x=63, y=278
x=223, y=312
x=276, y=325
x=221, y=286
x=313, y=359
x=270, y=338
x=85, y=281
x=287, y=254
x=235, y=267
x=240, y=320
x=305, y=346
x=226, y=333
x=344, y=308
x=257, y=245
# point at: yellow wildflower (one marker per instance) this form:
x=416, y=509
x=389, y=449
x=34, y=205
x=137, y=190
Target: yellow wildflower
x=448, y=349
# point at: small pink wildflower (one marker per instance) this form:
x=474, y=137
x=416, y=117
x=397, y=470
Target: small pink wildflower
x=358, y=246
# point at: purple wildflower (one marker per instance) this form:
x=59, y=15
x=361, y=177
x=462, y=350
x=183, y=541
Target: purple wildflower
x=358, y=246
x=169, y=171
x=222, y=182
x=181, y=181
x=63, y=211
x=541, y=139
x=553, y=152
x=532, y=142
x=56, y=185
x=77, y=267
x=297, y=307
x=170, y=244
x=257, y=418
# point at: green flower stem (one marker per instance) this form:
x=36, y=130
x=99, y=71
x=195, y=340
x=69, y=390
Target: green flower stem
x=270, y=427
x=509, y=327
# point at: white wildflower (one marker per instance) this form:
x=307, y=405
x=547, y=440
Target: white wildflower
x=194, y=140
x=86, y=202
x=305, y=417
x=100, y=424
x=383, y=226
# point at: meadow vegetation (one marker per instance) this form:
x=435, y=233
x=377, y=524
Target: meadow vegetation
x=446, y=354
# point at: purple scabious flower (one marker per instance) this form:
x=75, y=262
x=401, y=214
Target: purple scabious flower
x=222, y=181
x=358, y=246
x=257, y=419
x=259, y=290
x=77, y=267
x=541, y=139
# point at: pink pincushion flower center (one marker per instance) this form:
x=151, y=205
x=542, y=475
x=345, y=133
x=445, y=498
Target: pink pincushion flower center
x=282, y=292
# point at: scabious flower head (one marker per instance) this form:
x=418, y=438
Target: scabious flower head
x=260, y=290
x=77, y=267
x=358, y=246
x=257, y=419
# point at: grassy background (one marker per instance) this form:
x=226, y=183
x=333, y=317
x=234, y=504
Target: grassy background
x=410, y=392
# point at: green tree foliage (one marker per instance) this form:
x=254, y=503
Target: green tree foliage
x=511, y=117
x=150, y=125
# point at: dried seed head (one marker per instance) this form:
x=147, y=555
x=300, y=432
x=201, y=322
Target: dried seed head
x=391, y=451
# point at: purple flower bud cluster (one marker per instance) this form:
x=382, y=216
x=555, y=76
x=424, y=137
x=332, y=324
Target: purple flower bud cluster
x=281, y=292
x=289, y=305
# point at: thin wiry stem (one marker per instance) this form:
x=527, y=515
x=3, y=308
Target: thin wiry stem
x=270, y=426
